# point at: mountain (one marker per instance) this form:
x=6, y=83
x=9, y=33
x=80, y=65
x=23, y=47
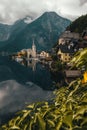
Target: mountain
x=16, y=28
x=79, y=24
x=4, y=32
x=9, y=32
x=19, y=25
x=45, y=30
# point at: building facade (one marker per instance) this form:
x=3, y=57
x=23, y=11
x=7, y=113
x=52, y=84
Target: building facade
x=65, y=53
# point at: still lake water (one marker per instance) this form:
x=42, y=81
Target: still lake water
x=21, y=85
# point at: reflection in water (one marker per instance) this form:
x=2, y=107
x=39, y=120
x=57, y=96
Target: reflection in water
x=14, y=97
x=19, y=85
x=29, y=63
x=32, y=62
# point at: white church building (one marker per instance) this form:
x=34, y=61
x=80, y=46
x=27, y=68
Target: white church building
x=31, y=53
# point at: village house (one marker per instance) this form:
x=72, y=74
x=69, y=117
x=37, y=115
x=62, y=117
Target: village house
x=71, y=75
x=83, y=41
x=28, y=53
x=65, y=53
x=44, y=54
x=67, y=37
x=67, y=45
x=68, y=34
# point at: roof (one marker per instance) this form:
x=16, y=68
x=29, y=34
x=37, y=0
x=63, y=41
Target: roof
x=68, y=34
x=66, y=49
x=72, y=73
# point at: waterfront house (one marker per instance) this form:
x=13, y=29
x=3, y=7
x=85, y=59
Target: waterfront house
x=44, y=54
x=65, y=53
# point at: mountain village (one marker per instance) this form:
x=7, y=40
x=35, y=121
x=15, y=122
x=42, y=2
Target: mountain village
x=44, y=63
x=68, y=44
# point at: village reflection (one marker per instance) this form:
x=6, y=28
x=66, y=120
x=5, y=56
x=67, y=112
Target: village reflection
x=29, y=63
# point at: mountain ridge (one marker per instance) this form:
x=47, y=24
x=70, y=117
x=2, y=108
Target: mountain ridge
x=45, y=30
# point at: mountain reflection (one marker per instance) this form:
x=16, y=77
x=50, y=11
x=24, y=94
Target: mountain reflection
x=12, y=70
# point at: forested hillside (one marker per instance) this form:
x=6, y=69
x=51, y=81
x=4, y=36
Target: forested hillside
x=79, y=24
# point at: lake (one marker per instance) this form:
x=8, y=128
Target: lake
x=22, y=84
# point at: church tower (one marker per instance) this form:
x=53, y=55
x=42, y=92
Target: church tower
x=33, y=50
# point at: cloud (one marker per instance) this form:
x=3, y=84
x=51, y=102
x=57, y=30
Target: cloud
x=11, y=91
x=82, y=2
x=14, y=96
x=11, y=10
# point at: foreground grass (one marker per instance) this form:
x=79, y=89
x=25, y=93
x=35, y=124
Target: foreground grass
x=68, y=111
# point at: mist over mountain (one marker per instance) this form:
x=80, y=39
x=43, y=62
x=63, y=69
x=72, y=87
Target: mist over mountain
x=45, y=30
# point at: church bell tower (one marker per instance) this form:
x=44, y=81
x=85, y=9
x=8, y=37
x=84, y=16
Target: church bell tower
x=33, y=50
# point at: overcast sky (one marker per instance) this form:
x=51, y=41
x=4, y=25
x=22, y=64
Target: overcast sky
x=11, y=10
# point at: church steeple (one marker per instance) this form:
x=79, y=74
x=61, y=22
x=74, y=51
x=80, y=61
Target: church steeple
x=33, y=49
x=33, y=43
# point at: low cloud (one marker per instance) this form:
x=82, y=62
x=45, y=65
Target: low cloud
x=12, y=10
x=14, y=96
x=11, y=92
x=82, y=2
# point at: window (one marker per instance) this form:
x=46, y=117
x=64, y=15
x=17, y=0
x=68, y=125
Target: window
x=66, y=54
